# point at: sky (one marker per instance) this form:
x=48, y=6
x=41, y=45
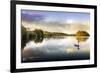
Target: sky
x=57, y=16
x=54, y=19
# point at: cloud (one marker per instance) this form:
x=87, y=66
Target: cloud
x=32, y=17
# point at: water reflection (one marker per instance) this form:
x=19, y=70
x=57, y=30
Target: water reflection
x=46, y=46
x=80, y=39
x=81, y=36
x=40, y=39
x=56, y=49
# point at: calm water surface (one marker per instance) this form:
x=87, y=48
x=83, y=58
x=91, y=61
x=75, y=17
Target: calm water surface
x=56, y=49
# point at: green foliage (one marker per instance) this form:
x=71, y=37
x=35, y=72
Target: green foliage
x=23, y=29
x=82, y=36
x=82, y=33
x=23, y=36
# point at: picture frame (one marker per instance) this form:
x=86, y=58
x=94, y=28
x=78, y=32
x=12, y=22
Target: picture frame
x=49, y=17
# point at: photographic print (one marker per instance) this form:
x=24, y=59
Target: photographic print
x=49, y=36
x=55, y=36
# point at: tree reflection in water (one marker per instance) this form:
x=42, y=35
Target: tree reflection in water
x=38, y=35
x=81, y=36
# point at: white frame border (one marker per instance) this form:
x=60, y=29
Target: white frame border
x=55, y=63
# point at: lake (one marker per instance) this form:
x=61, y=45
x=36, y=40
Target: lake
x=56, y=49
